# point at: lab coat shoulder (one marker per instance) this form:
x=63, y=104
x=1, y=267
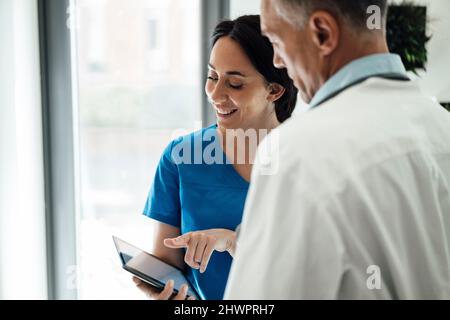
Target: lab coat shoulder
x=361, y=127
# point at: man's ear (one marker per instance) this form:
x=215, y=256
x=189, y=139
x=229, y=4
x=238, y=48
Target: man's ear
x=325, y=31
x=276, y=92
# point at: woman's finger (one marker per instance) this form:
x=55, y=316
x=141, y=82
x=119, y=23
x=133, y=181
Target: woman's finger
x=167, y=292
x=178, y=242
x=199, y=251
x=190, y=252
x=146, y=288
x=206, y=256
x=182, y=293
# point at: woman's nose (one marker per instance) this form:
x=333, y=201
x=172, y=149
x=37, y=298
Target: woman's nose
x=218, y=94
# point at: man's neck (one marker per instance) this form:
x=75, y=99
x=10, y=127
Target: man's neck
x=361, y=46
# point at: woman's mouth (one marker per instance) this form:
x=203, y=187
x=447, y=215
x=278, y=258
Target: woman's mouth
x=225, y=114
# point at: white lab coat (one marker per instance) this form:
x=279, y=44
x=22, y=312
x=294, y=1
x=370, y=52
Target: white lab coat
x=359, y=207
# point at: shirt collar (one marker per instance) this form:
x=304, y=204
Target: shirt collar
x=382, y=65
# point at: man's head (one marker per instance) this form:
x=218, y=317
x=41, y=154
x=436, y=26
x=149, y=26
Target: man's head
x=313, y=39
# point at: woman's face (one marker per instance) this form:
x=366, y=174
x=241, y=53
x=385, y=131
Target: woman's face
x=237, y=91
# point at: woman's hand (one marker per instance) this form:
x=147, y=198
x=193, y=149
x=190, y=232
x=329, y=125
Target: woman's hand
x=201, y=244
x=166, y=294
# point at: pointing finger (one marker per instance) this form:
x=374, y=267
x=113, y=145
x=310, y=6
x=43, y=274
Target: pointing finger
x=179, y=242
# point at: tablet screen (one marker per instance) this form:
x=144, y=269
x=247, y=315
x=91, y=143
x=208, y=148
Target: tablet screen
x=149, y=268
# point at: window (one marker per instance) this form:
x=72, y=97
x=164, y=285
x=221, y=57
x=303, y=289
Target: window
x=152, y=34
x=139, y=80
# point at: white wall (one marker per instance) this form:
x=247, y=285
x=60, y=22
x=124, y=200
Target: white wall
x=22, y=215
x=242, y=7
x=436, y=81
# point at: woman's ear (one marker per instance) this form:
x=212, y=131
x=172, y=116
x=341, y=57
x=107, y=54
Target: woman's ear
x=276, y=91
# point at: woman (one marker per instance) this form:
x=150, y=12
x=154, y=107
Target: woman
x=199, y=204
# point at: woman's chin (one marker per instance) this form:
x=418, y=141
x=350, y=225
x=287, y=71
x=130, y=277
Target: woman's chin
x=226, y=125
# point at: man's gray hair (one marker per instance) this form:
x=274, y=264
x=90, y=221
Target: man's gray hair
x=354, y=12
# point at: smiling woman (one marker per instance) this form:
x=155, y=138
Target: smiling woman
x=236, y=89
x=249, y=63
x=197, y=205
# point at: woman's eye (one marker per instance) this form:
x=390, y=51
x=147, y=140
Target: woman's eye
x=236, y=86
x=231, y=85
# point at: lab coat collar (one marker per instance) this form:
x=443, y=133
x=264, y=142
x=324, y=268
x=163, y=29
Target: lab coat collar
x=383, y=65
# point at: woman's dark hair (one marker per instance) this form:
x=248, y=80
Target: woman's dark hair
x=246, y=31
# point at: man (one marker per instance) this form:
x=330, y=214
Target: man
x=360, y=205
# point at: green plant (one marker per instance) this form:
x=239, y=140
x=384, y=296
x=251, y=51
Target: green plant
x=407, y=34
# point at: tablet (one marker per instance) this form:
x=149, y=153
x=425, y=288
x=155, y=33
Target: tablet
x=151, y=269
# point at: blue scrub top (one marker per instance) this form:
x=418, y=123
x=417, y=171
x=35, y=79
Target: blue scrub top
x=196, y=188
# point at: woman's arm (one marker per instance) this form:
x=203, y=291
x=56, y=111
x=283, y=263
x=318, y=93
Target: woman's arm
x=163, y=231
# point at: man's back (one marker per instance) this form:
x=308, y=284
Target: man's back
x=365, y=207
